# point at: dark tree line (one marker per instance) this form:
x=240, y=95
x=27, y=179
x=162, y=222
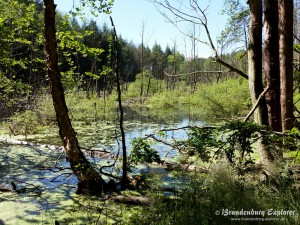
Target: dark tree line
x=84, y=51
x=85, y=57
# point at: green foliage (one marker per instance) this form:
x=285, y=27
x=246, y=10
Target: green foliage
x=235, y=140
x=134, y=88
x=88, y=106
x=201, y=140
x=44, y=109
x=85, y=59
x=19, y=40
x=24, y=123
x=287, y=143
x=204, y=198
x=292, y=139
x=11, y=90
x=240, y=136
x=72, y=48
x=223, y=99
x=94, y=6
x=176, y=58
x=142, y=152
x=226, y=140
x=82, y=107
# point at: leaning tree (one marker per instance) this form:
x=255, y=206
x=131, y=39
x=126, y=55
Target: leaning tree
x=89, y=178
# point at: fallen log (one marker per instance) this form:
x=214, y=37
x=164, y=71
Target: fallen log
x=86, y=151
x=131, y=199
x=185, y=167
x=105, y=155
x=27, y=143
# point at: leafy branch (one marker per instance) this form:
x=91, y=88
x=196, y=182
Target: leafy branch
x=233, y=140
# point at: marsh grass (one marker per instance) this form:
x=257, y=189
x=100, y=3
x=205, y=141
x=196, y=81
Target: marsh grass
x=224, y=99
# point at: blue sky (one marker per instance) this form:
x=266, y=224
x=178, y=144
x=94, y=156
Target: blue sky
x=129, y=15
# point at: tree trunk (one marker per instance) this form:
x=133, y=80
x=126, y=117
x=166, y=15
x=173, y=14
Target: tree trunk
x=148, y=85
x=89, y=179
x=286, y=63
x=271, y=62
x=115, y=56
x=255, y=61
x=142, y=63
x=255, y=72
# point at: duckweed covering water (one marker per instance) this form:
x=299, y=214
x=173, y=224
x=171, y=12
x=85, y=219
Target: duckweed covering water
x=49, y=185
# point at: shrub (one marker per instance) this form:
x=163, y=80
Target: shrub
x=24, y=123
x=228, y=98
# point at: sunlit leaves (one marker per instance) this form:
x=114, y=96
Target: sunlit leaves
x=239, y=137
x=92, y=75
x=235, y=141
x=106, y=70
x=200, y=140
x=297, y=47
x=72, y=47
x=95, y=7
x=20, y=40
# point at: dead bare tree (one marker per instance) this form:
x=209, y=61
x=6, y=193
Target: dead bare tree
x=193, y=13
x=121, y=115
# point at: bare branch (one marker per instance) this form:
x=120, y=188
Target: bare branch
x=231, y=68
x=256, y=104
x=191, y=73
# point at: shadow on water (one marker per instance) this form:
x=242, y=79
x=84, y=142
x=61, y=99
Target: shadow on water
x=24, y=162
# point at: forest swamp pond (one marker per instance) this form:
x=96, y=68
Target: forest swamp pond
x=50, y=183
